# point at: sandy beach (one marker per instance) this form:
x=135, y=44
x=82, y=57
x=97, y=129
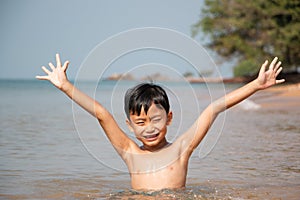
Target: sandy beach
x=281, y=97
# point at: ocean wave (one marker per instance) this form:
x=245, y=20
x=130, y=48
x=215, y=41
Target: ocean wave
x=248, y=105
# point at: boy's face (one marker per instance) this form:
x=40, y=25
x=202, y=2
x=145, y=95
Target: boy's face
x=151, y=128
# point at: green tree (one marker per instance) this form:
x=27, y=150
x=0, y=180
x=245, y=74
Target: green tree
x=252, y=31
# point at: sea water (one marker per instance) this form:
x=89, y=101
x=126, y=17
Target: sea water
x=52, y=149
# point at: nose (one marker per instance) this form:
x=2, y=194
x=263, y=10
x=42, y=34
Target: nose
x=150, y=128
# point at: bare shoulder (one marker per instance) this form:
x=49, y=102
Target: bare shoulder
x=184, y=142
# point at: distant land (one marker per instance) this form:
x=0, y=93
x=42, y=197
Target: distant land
x=191, y=79
x=289, y=77
x=130, y=77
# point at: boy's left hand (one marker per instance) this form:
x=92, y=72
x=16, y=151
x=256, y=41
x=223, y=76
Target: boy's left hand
x=57, y=75
x=267, y=78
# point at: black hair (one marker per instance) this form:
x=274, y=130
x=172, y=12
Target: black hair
x=143, y=95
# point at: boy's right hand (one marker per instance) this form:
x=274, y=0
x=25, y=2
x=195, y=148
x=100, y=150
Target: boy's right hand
x=58, y=75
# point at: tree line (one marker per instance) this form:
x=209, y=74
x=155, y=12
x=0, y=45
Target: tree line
x=251, y=31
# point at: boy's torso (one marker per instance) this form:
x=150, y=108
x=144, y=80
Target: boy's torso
x=166, y=168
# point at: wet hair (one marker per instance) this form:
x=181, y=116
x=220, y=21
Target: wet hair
x=144, y=95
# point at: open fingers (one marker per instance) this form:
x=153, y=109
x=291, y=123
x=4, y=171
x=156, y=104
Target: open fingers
x=45, y=70
x=280, y=81
x=51, y=66
x=263, y=67
x=277, y=66
x=65, y=66
x=42, y=77
x=278, y=71
x=273, y=63
x=58, y=63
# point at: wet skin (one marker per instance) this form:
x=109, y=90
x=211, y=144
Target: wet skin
x=156, y=163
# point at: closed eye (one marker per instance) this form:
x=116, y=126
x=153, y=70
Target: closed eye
x=140, y=123
x=156, y=119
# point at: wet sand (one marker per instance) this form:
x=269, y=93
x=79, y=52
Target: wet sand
x=280, y=97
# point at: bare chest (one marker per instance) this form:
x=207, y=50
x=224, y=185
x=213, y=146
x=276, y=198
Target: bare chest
x=169, y=176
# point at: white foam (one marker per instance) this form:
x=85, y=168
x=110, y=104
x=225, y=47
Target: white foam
x=248, y=105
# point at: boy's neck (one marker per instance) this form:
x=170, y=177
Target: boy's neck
x=164, y=143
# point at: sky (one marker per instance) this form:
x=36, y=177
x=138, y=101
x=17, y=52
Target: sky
x=33, y=31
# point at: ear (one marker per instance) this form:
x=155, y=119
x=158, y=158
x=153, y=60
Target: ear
x=129, y=125
x=169, y=118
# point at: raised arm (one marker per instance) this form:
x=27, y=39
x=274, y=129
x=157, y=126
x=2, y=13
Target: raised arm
x=265, y=79
x=57, y=76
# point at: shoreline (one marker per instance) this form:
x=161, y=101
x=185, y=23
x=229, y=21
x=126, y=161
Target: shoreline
x=281, y=96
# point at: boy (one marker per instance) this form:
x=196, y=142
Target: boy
x=157, y=164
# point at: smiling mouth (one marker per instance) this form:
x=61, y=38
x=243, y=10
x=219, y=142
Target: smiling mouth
x=149, y=137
